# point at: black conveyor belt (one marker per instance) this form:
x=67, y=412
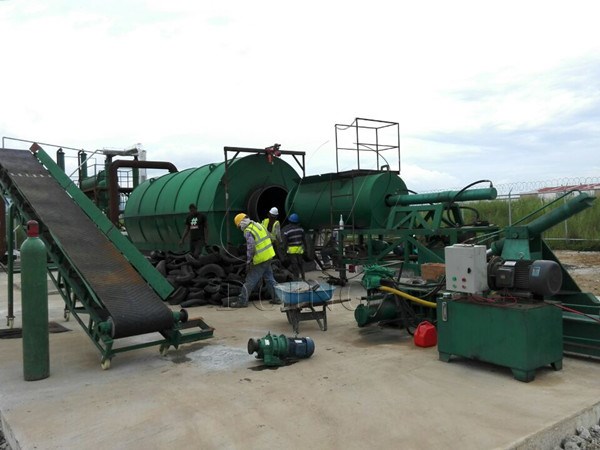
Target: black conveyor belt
x=134, y=307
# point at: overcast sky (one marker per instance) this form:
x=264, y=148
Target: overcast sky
x=507, y=91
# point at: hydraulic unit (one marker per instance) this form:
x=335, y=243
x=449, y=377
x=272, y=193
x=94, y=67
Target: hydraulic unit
x=512, y=326
x=518, y=335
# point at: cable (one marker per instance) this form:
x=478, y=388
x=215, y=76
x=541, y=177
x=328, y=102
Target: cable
x=573, y=311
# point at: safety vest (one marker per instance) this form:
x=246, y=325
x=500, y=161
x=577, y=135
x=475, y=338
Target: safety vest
x=294, y=235
x=263, y=247
x=272, y=233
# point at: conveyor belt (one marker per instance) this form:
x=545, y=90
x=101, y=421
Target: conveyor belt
x=133, y=306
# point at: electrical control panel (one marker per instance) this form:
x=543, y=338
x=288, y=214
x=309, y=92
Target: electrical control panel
x=466, y=268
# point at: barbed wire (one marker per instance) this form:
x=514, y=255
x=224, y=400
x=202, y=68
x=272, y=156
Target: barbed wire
x=523, y=187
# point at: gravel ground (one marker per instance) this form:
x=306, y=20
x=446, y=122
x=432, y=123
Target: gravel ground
x=585, y=438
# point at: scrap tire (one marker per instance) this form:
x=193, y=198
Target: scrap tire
x=211, y=271
x=162, y=267
x=178, y=296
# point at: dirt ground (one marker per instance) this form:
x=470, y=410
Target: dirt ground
x=584, y=267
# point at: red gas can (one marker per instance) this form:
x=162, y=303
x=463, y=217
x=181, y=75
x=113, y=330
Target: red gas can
x=426, y=335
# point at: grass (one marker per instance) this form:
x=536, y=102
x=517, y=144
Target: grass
x=579, y=232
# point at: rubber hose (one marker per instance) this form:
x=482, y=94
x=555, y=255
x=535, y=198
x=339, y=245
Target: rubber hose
x=412, y=298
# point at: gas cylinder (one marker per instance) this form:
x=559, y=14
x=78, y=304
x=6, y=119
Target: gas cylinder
x=34, y=301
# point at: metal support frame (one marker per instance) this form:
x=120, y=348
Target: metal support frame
x=256, y=151
x=79, y=298
x=359, y=127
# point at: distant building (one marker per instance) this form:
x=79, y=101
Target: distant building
x=550, y=193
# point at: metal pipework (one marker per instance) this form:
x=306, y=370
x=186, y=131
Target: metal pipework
x=543, y=223
x=560, y=214
x=441, y=197
x=113, y=180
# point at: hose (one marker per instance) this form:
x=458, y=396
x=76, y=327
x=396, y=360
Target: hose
x=412, y=298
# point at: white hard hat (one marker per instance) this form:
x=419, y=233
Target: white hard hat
x=274, y=211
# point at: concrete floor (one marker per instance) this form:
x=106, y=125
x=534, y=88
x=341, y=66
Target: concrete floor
x=369, y=387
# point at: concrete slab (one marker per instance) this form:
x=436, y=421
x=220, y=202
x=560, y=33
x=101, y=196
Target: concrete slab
x=362, y=387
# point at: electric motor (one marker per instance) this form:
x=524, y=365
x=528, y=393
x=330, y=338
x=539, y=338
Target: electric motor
x=540, y=277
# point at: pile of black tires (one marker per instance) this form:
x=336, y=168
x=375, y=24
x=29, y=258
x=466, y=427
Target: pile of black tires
x=210, y=279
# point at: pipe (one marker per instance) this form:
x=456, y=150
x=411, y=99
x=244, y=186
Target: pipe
x=113, y=181
x=60, y=158
x=543, y=223
x=560, y=214
x=441, y=197
x=82, y=158
x=10, y=264
x=412, y=298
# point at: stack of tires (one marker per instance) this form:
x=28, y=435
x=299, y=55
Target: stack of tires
x=210, y=279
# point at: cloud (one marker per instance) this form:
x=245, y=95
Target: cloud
x=504, y=92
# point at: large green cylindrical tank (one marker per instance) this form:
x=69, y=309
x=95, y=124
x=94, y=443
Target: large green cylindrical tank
x=358, y=198
x=156, y=210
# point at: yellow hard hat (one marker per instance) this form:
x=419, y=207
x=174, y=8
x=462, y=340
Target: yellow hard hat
x=237, y=219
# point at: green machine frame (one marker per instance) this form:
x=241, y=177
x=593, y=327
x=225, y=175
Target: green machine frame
x=421, y=225
x=80, y=298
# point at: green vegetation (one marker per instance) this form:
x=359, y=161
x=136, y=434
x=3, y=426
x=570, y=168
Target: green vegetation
x=580, y=232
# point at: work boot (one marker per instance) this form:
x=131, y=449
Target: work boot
x=234, y=302
x=238, y=304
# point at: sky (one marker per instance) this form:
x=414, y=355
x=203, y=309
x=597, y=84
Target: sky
x=507, y=91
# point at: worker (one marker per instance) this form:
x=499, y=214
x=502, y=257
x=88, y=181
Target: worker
x=195, y=226
x=330, y=253
x=271, y=224
x=259, y=254
x=293, y=241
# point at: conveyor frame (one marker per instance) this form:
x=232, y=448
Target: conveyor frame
x=79, y=295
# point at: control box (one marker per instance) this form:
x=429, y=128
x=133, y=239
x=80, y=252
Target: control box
x=466, y=268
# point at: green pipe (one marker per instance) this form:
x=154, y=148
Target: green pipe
x=83, y=171
x=442, y=197
x=135, y=174
x=34, y=301
x=60, y=158
x=545, y=222
x=560, y=214
x=10, y=264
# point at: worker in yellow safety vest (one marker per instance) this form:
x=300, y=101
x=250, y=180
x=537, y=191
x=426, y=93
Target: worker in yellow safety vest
x=273, y=227
x=259, y=253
